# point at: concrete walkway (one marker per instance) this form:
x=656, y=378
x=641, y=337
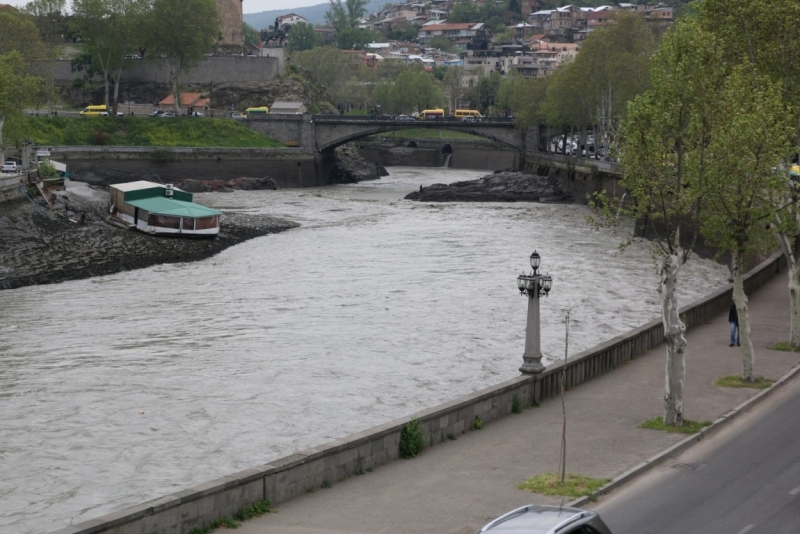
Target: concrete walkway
x=457, y=486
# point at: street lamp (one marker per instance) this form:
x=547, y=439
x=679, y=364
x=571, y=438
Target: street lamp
x=533, y=285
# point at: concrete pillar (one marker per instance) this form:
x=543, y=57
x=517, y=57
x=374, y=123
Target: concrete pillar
x=532, y=358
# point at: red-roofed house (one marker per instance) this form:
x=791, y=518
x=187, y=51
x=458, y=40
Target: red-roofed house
x=291, y=19
x=453, y=31
x=188, y=100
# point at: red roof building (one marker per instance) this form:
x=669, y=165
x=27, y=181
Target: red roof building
x=193, y=100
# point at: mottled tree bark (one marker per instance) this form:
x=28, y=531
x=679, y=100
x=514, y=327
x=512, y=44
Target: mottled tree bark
x=740, y=299
x=674, y=329
x=791, y=249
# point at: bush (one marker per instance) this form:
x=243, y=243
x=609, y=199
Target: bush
x=412, y=440
x=99, y=137
x=516, y=404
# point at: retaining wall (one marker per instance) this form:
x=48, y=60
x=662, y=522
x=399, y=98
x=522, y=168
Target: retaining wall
x=10, y=185
x=294, y=475
x=216, y=69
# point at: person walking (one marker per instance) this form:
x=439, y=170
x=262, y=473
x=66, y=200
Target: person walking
x=733, y=318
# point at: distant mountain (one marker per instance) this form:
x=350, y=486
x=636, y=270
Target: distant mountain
x=313, y=14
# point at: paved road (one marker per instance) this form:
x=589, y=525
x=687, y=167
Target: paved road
x=744, y=480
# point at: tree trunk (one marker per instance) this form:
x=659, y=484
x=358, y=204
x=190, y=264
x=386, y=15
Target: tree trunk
x=176, y=83
x=675, y=340
x=791, y=249
x=105, y=81
x=740, y=299
x=2, y=146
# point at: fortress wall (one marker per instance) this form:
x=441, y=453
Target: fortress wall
x=216, y=69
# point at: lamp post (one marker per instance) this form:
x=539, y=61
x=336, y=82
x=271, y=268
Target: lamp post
x=533, y=285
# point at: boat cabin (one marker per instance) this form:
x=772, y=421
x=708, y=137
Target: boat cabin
x=161, y=209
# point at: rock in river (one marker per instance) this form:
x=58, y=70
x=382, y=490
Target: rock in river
x=503, y=186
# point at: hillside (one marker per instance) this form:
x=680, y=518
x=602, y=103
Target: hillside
x=314, y=14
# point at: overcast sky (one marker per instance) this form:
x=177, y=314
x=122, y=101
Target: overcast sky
x=249, y=6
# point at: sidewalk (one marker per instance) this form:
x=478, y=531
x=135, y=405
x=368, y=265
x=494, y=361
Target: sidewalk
x=457, y=486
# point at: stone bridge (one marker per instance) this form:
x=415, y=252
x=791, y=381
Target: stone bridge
x=325, y=132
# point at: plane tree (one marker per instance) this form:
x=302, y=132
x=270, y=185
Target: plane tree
x=20, y=49
x=110, y=29
x=765, y=35
x=180, y=33
x=751, y=137
x=665, y=161
x=50, y=19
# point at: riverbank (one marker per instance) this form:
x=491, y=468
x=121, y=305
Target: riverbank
x=40, y=246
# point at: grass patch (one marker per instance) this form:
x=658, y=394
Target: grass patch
x=412, y=439
x=736, y=381
x=573, y=486
x=784, y=346
x=516, y=404
x=144, y=131
x=689, y=427
x=255, y=509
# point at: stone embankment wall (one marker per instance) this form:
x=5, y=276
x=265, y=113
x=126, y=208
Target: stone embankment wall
x=293, y=475
x=214, y=69
x=289, y=167
x=10, y=185
x=580, y=176
x=464, y=154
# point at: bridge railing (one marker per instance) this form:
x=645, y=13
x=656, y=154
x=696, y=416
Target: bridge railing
x=396, y=119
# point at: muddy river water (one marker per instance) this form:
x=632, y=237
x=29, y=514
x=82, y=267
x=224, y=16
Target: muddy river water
x=120, y=389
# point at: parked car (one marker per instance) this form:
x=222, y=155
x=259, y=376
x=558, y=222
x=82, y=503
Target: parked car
x=10, y=166
x=238, y=116
x=156, y=113
x=404, y=118
x=195, y=114
x=541, y=519
x=167, y=115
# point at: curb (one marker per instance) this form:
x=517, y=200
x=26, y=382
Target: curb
x=686, y=443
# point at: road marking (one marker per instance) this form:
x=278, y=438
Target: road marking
x=748, y=528
x=795, y=491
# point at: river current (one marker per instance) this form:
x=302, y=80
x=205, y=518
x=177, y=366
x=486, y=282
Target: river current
x=120, y=389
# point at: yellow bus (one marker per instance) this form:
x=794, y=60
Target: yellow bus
x=431, y=114
x=468, y=113
x=98, y=111
x=263, y=110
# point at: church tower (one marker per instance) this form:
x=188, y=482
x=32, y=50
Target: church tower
x=230, y=23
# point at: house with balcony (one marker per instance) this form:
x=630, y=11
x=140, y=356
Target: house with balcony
x=458, y=33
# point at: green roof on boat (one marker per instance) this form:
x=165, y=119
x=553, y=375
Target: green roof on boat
x=175, y=208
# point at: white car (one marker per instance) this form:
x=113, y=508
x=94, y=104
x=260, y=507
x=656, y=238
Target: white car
x=11, y=166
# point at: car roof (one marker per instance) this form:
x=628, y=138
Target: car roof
x=536, y=519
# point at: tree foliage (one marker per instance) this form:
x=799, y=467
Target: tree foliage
x=343, y=14
x=17, y=88
x=302, y=37
x=355, y=38
x=110, y=29
x=251, y=36
x=182, y=45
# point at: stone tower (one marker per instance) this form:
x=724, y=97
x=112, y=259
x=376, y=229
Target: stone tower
x=230, y=23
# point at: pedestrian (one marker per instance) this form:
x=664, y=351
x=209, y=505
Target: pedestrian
x=733, y=318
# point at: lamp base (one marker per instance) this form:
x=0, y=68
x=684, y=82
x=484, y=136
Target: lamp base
x=531, y=365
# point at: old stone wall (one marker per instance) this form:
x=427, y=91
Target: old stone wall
x=289, y=167
x=295, y=475
x=230, y=22
x=216, y=69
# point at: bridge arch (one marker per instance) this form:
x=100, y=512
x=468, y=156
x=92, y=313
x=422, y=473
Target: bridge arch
x=333, y=131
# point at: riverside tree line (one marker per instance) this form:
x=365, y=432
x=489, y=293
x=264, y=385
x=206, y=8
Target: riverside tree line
x=178, y=32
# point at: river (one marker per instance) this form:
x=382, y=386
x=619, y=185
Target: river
x=123, y=388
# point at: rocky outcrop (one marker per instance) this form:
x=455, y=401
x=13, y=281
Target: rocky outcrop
x=42, y=246
x=498, y=187
x=351, y=168
x=223, y=186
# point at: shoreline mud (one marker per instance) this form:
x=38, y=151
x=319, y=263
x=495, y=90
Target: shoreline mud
x=42, y=246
